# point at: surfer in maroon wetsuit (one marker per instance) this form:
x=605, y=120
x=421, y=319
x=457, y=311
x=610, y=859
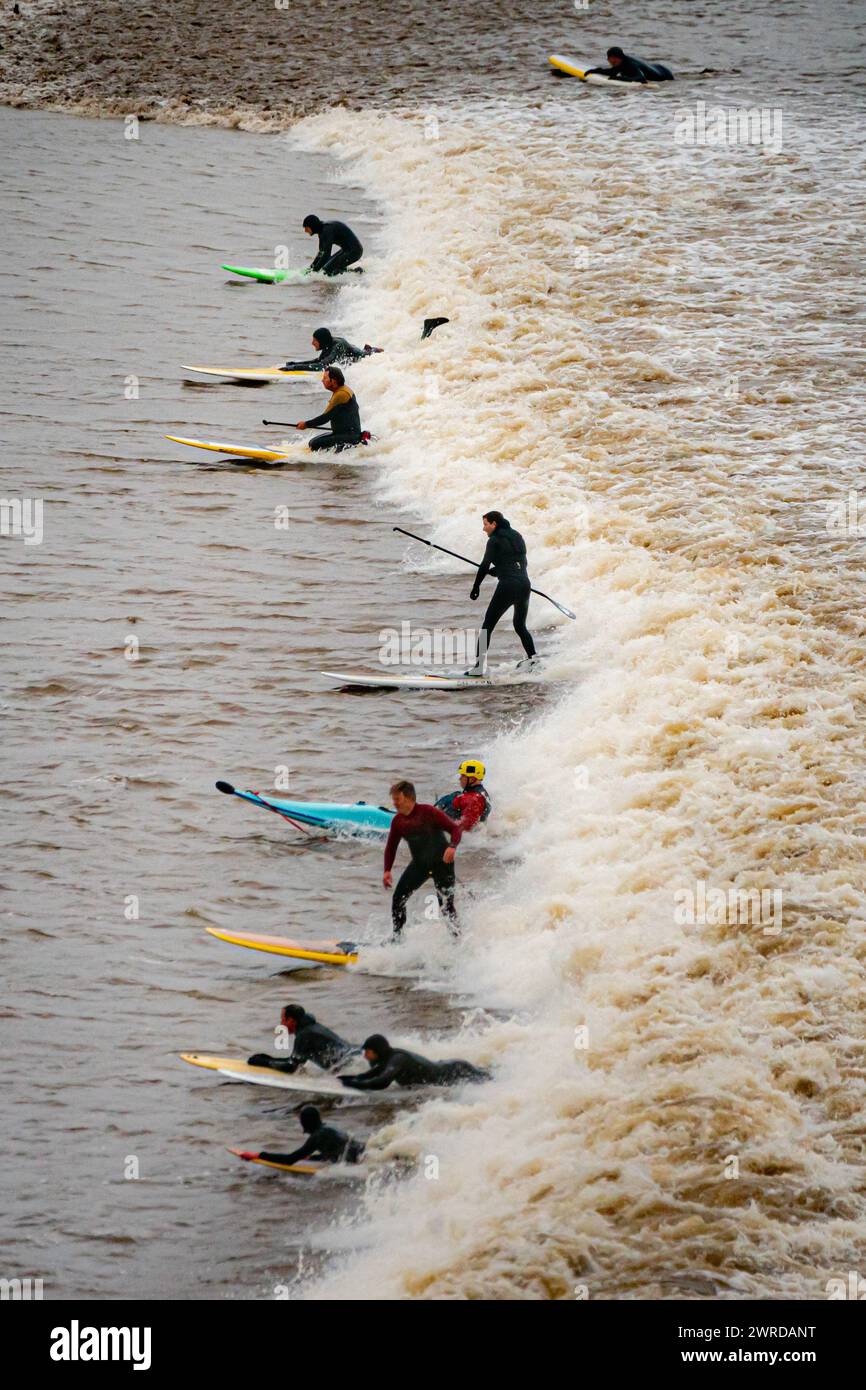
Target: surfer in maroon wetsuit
x=424, y=829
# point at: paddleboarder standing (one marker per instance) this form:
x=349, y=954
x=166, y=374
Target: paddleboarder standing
x=504, y=556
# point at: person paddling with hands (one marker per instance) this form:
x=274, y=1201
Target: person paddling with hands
x=341, y=413
x=424, y=829
x=323, y=1142
x=313, y=1042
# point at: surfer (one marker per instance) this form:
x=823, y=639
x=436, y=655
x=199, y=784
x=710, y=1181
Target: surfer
x=313, y=1043
x=504, y=556
x=341, y=413
x=331, y=350
x=624, y=68
x=328, y=261
x=471, y=805
x=394, y=1065
x=424, y=829
x=323, y=1141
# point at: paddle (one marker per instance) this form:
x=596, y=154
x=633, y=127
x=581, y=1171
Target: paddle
x=226, y=787
x=293, y=424
x=474, y=563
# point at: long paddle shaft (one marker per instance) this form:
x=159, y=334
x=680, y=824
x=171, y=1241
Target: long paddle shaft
x=474, y=563
x=293, y=424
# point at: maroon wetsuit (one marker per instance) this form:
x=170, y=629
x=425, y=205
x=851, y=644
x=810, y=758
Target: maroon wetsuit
x=424, y=830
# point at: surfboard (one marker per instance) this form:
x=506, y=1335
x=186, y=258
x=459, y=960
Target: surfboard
x=266, y=275
x=359, y=820
x=569, y=68
x=318, y=952
x=236, y=1070
x=301, y=456
x=421, y=680
x=308, y=1169
x=233, y=450
x=256, y=374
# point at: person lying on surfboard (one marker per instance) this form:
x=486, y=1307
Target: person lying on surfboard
x=624, y=68
x=471, y=804
x=341, y=413
x=329, y=261
x=313, y=1043
x=393, y=1065
x=424, y=829
x=333, y=350
x=323, y=1141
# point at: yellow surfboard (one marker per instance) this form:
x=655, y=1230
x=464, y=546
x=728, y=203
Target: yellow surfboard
x=310, y=1169
x=232, y=450
x=593, y=79
x=320, y=952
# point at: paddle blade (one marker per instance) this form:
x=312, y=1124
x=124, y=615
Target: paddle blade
x=225, y=787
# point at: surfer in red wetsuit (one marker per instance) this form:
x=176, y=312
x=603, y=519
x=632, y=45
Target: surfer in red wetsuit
x=424, y=829
x=472, y=803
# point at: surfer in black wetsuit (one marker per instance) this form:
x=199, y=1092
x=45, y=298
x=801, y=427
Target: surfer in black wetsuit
x=323, y=1141
x=341, y=413
x=504, y=556
x=624, y=68
x=328, y=261
x=331, y=350
x=313, y=1043
x=393, y=1065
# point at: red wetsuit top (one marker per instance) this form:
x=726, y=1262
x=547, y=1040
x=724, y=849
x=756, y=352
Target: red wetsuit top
x=424, y=830
x=469, y=806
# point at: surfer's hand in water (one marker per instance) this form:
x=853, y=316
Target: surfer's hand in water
x=448, y=856
x=474, y=595
x=386, y=878
x=247, y=1154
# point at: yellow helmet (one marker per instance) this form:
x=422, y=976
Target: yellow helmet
x=471, y=768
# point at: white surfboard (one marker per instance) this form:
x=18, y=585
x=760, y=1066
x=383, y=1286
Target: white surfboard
x=433, y=680
x=255, y=374
x=237, y=1070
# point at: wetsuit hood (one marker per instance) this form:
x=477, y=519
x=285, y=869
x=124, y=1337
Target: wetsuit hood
x=310, y=1119
x=313, y=222
x=299, y=1016
x=325, y=338
x=381, y=1046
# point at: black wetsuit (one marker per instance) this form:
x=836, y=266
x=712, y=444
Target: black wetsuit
x=327, y=260
x=344, y=417
x=505, y=556
x=326, y=1142
x=635, y=70
x=408, y=1069
x=313, y=1043
x=424, y=831
x=332, y=351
